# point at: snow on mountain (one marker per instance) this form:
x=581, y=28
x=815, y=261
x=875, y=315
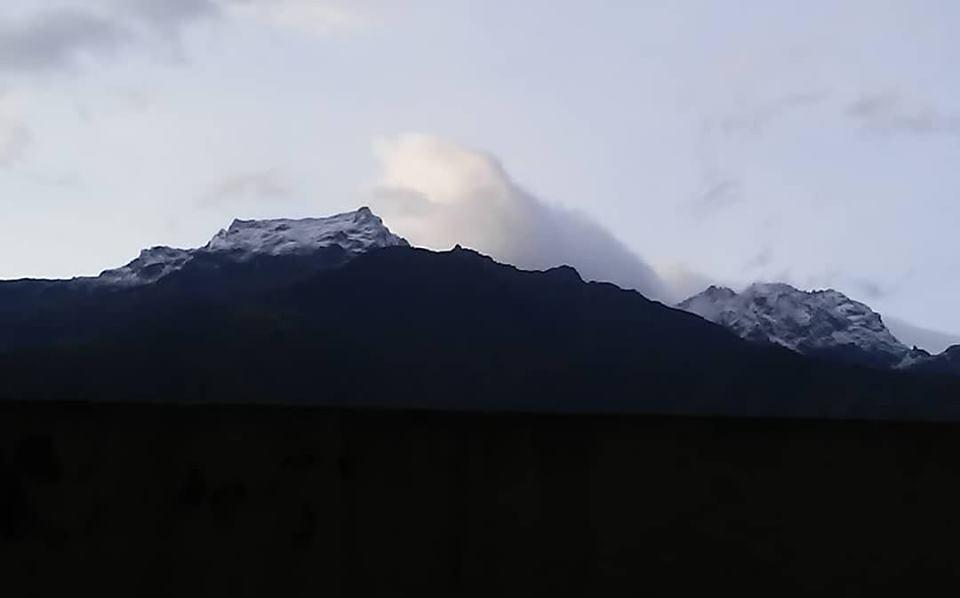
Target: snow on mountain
x=356, y=232
x=152, y=265
x=816, y=322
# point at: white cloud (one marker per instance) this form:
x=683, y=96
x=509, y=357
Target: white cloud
x=437, y=194
x=683, y=282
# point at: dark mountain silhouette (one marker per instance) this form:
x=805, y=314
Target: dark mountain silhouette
x=406, y=327
x=946, y=363
x=216, y=431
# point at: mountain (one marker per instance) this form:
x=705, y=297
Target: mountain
x=402, y=327
x=947, y=363
x=823, y=323
x=245, y=240
x=250, y=257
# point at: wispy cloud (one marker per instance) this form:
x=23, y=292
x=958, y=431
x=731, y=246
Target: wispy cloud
x=891, y=112
x=15, y=136
x=754, y=119
x=263, y=185
x=761, y=260
x=721, y=180
x=318, y=17
x=715, y=196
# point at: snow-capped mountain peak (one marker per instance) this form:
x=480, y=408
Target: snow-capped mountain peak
x=152, y=265
x=810, y=322
x=355, y=232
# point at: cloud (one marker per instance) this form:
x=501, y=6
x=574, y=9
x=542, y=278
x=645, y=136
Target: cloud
x=721, y=187
x=853, y=285
x=308, y=16
x=437, y=194
x=683, y=282
x=251, y=186
x=15, y=136
x=715, y=196
x=55, y=40
x=932, y=340
x=168, y=16
x=756, y=118
x=890, y=112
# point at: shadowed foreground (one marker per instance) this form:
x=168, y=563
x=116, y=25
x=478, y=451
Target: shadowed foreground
x=257, y=501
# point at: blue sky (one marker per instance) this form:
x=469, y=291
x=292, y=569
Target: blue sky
x=812, y=142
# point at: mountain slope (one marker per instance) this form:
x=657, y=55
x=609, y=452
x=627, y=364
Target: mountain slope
x=820, y=323
x=403, y=327
x=249, y=258
x=245, y=240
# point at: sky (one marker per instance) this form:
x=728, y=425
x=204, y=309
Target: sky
x=665, y=145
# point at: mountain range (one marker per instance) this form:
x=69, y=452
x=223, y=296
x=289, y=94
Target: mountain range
x=341, y=311
x=823, y=323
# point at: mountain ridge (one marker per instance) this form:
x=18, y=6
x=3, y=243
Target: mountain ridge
x=355, y=232
x=401, y=327
x=824, y=323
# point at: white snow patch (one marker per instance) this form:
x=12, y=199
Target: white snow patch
x=804, y=321
x=355, y=232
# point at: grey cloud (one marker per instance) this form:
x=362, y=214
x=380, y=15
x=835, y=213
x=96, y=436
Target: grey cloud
x=857, y=287
x=721, y=187
x=251, y=186
x=756, y=118
x=871, y=289
x=69, y=180
x=168, y=15
x=931, y=340
x=15, y=138
x=761, y=260
x=684, y=283
x=891, y=112
x=54, y=40
x=716, y=196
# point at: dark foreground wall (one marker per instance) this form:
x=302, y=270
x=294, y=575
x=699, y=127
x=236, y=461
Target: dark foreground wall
x=308, y=502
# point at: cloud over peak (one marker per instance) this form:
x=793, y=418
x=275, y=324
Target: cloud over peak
x=437, y=193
